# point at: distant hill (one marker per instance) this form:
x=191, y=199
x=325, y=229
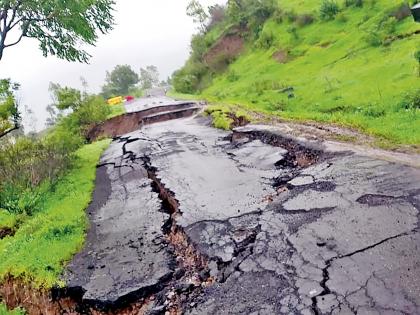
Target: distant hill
x=349, y=62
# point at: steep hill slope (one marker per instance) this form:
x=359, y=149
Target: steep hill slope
x=355, y=66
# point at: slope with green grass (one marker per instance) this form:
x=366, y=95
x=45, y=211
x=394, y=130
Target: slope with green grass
x=44, y=242
x=5, y=311
x=356, y=69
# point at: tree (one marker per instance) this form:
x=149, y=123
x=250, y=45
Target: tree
x=59, y=26
x=9, y=113
x=216, y=15
x=199, y=15
x=250, y=13
x=149, y=77
x=119, y=81
x=84, y=109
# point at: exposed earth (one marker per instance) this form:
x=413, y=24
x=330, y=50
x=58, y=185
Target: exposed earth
x=188, y=219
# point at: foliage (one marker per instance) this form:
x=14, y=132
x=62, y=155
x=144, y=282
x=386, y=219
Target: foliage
x=328, y=10
x=238, y=15
x=5, y=311
x=222, y=115
x=116, y=110
x=304, y=20
x=417, y=57
x=187, y=80
x=119, y=81
x=9, y=112
x=37, y=253
x=149, y=77
x=411, y=100
x=266, y=39
x=217, y=14
x=29, y=167
x=355, y=3
x=59, y=26
x=249, y=13
x=336, y=77
x=197, y=12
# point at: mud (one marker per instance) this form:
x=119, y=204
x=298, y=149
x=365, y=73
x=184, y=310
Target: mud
x=6, y=232
x=228, y=47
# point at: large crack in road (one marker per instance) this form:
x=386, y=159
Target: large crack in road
x=187, y=219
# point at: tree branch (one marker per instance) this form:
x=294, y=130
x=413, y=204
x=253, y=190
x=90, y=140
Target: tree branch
x=16, y=42
x=16, y=127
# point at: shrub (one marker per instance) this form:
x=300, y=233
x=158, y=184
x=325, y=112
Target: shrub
x=328, y=10
x=21, y=201
x=265, y=40
x=304, y=19
x=341, y=17
x=353, y=3
x=221, y=120
x=417, y=57
x=220, y=62
x=291, y=16
x=373, y=38
x=411, y=101
x=293, y=31
x=29, y=167
x=278, y=16
x=92, y=111
x=389, y=26
x=232, y=76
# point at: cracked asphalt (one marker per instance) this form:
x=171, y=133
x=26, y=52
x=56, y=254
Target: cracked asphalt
x=283, y=229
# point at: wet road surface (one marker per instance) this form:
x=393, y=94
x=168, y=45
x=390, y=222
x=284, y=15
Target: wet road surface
x=208, y=222
x=153, y=98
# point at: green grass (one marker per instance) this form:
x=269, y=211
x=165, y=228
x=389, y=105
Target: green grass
x=181, y=96
x=42, y=245
x=222, y=115
x=5, y=311
x=116, y=110
x=7, y=220
x=336, y=75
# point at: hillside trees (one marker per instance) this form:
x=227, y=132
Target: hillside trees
x=9, y=112
x=199, y=15
x=59, y=26
x=244, y=18
x=149, y=77
x=119, y=81
x=29, y=166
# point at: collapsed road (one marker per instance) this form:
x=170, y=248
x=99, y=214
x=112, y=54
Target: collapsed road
x=187, y=219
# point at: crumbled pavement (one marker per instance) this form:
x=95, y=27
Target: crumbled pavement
x=282, y=229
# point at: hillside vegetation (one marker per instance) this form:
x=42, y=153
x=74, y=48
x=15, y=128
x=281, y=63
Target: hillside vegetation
x=352, y=62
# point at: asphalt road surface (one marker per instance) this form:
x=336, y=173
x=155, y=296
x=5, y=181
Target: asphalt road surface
x=193, y=220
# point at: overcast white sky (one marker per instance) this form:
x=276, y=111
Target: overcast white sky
x=148, y=32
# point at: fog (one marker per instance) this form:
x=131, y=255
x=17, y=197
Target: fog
x=147, y=32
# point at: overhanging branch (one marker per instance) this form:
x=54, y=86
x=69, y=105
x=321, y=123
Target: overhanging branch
x=9, y=131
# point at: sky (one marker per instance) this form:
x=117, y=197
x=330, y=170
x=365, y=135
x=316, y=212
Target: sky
x=147, y=32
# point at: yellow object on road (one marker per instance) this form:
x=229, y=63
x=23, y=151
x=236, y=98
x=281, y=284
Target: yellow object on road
x=115, y=100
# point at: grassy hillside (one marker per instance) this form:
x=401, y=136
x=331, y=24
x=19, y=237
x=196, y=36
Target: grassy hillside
x=355, y=68
x=44, y=242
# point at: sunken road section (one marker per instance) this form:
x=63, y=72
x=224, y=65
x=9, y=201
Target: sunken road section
x=187, y=219
x=120, y=125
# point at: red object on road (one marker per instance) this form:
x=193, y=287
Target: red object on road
x=129, y=98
